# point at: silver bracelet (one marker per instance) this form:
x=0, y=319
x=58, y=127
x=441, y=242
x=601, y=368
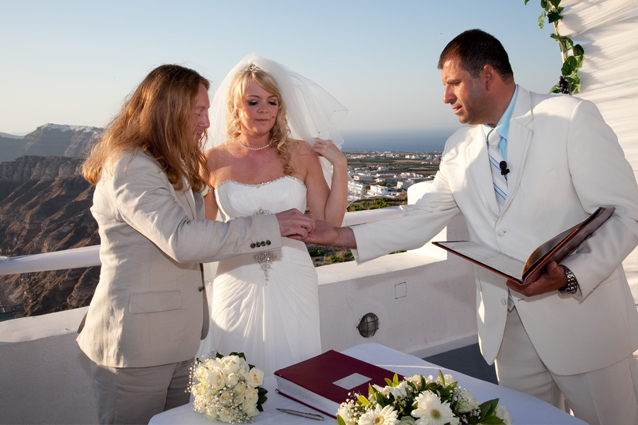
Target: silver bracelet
x=208, y=189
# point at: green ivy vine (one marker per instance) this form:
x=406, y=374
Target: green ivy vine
x=572, y=54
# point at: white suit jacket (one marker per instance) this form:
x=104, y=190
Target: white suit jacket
x=149, y=306
x=565, y=162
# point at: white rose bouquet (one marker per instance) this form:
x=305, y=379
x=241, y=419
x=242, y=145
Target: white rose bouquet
x=420, y=401
x=227, y=389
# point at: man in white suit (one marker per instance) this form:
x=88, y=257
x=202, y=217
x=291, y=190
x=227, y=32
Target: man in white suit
x=570, y=334
x=149, y=310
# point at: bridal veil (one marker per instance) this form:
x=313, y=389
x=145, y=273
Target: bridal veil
x=311, y=111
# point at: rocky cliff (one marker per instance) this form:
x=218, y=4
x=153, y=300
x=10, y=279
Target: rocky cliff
x=44, y=207
x=50, y=140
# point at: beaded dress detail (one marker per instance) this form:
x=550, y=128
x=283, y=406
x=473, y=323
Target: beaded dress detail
x=266, y=304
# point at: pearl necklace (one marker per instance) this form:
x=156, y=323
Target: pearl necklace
x=254, y=149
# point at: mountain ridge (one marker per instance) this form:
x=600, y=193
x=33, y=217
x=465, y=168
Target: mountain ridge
x=50, y=140
x=44, y=207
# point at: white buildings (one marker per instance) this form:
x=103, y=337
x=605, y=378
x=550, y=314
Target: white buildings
x=380, y=182
x=364, y=176
x=404, y=184
x=357, y=189
x=363, y=180
x=377, y=191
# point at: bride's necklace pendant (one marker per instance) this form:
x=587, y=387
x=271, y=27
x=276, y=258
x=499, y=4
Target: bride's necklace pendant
x=254, y=149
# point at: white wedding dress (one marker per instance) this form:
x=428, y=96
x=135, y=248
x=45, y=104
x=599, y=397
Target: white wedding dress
x=265, y=305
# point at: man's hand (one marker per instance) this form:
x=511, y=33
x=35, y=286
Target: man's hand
x=294, y=224
x=553, y=279
x=326, y=234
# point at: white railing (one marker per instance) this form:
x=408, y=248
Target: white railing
x=368, y=216
x=68, y=259
x=90, y=255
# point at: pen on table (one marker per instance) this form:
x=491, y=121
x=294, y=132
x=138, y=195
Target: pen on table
x=302, y=414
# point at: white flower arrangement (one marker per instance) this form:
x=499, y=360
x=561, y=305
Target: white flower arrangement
x=420, y=401
x=227, y=389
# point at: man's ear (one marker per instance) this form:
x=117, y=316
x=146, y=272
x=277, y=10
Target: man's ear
x=488, y=75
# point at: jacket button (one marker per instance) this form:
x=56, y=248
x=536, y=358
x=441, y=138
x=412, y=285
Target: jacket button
x=501, y=232
x=503, y=301
x=267, y=242
x=252, y=245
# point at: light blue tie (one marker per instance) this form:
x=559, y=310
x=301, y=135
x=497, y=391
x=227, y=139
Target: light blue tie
x=499, y=180
x=500, y=184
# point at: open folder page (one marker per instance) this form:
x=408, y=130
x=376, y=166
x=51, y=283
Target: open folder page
x=555, y=249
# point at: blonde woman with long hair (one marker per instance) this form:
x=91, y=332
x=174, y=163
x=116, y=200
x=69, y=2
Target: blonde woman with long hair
x=269, y=158
x=148, y=313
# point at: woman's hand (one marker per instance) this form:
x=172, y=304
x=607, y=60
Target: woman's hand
x=210, y=205
x=328, y=150
x=326, y=202
x=295, y=224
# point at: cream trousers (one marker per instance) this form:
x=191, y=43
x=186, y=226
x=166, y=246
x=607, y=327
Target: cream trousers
x=603, y=396
x=133, y=395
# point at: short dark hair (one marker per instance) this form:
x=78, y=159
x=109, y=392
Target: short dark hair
x=475, y=49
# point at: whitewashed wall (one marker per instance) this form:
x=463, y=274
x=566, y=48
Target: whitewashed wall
x=44, y=377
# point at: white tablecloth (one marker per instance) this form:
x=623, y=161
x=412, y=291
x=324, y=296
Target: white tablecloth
x=523, y=408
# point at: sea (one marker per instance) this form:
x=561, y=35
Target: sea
x=396, y=141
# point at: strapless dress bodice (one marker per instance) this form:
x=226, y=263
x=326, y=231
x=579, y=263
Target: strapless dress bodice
x=237, y=199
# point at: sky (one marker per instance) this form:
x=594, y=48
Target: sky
x=74, y=61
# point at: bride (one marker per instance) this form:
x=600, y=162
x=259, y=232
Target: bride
x=266, y=305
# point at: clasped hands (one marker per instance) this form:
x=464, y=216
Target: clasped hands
x=295, y=224
x=303, y=227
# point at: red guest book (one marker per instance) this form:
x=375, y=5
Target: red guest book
x=325, y=381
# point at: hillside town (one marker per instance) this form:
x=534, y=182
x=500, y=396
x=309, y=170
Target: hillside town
x=389, y=174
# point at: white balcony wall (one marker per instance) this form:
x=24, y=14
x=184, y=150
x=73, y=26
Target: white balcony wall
x=425, y=301
x=425, y=305
x=45, y=378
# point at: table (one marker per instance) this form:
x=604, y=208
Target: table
x=523, y=408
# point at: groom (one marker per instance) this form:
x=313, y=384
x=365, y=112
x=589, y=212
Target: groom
x=570, y=334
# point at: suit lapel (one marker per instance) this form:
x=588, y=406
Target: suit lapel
x=518, y=141
x=479, y=165
x=190, y=200
x=199, y=205
x=186, y=201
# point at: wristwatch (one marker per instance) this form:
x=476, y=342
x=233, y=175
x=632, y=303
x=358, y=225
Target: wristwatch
x=572, y=283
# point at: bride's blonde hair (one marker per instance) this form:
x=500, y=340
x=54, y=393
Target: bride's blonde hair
x=280, y=132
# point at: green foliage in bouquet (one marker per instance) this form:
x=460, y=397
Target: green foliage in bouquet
x=420, y=401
